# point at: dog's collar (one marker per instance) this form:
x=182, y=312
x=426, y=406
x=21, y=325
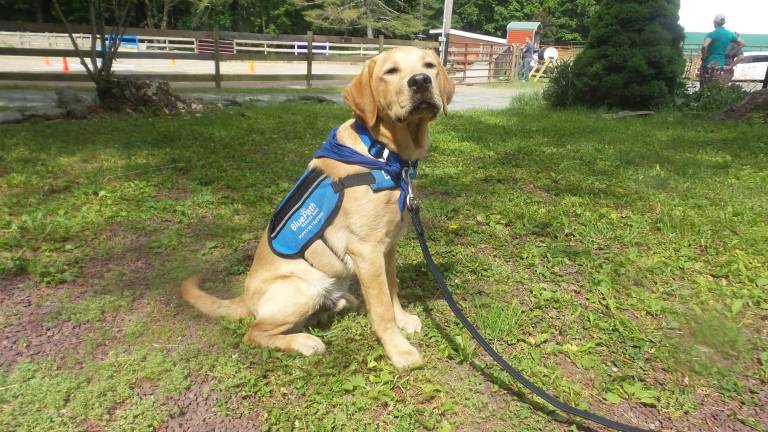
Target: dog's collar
x=375, y=148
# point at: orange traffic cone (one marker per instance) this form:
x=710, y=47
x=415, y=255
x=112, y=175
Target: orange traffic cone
x=47, y=61
x=64, y=65
x=250, y=66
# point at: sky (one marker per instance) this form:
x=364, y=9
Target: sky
x=744, y=16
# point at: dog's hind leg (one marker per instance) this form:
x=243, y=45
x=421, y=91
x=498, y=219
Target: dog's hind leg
x=285, y=306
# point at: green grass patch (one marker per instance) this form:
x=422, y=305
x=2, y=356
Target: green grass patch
x=93, y=308
x=612, y=261
x=515, y=84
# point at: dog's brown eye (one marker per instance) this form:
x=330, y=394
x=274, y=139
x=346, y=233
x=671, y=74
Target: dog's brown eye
x=392, y=71
x=429, y=65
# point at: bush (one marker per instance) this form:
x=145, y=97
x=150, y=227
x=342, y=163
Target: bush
x=714, y=97
x=561, y=88
x=633, y=58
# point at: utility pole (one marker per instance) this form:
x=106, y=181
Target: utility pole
x=447, y=15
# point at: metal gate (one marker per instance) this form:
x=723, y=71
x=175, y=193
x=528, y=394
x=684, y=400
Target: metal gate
x=477, y=63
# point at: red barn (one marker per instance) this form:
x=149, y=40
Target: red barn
x=517, y=31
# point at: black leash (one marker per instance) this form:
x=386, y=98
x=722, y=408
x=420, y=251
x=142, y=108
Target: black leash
x=538, y=391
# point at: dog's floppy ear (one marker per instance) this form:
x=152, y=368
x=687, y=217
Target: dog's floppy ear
x=359, y=95
x=445, y=83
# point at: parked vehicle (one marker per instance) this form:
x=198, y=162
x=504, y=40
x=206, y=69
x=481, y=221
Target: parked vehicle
x=751, y=67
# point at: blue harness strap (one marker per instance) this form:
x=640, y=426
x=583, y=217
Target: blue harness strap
x=310, y=207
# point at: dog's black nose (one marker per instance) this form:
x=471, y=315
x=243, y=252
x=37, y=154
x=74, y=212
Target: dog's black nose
x=420, y=82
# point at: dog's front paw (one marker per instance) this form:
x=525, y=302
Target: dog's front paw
x=307, y=344
x=409, y=323
x=405, y=357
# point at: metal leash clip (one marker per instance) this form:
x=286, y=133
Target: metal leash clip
x=410, y=199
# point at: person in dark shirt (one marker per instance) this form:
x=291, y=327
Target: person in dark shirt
x=525, y=65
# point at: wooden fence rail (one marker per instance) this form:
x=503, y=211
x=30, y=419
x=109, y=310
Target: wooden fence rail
x=216, y=46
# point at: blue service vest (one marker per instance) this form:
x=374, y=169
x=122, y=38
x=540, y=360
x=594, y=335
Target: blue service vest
x=310, y=207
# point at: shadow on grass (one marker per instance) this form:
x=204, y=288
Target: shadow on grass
x=424, y=290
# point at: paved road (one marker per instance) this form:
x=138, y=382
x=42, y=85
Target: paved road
x=467, y=97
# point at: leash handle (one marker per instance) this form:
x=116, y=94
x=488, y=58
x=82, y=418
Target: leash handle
x=519, y=377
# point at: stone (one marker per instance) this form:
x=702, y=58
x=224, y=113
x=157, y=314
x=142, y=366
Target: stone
x=68, y=96
x=756, y=103
x=316, y=98
x=73, y=103
x=622, y=114
x=47, y=113
x=11, y=117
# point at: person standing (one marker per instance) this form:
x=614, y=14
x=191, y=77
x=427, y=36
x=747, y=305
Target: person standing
x=525, y=66
x=714, y=48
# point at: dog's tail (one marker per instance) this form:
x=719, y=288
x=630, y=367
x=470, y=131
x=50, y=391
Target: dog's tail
x=210, y=305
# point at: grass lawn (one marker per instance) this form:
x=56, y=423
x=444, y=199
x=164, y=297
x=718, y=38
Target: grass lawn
x=620, y=264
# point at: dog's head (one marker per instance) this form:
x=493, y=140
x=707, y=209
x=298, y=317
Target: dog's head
x=402, y=85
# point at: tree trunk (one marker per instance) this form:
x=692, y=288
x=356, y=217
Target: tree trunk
x=368, y=19
x=150, y=8
x=235, y=10
x=167, y=4
x=263, y=20
x=39, y=11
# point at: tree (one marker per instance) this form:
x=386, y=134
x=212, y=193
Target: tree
x=633, y=58
x=276, y=17
x=23, y=10
x=563, y=20
x=105, y=41
x=488, y=16
x=570, y=19
x=158, y=12
x=390, y=18
x=255, y=16
x=116, y=94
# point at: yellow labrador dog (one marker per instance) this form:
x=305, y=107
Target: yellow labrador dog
x=395, y=96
